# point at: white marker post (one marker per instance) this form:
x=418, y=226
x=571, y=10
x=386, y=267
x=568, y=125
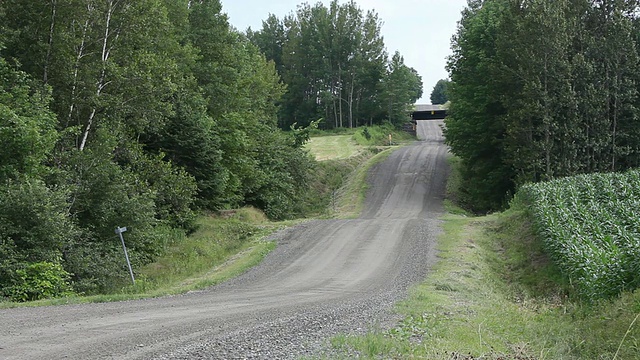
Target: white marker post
x=119, y=231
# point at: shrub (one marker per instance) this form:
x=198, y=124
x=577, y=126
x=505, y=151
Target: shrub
x=41, y=280
x=379, y=135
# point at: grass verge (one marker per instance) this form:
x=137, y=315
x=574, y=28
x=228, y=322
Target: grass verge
x=350, y=197
x=494, y=295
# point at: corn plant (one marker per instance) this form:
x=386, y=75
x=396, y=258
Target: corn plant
x=590, y=226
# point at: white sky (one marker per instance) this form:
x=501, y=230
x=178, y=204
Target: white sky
x=420, y=29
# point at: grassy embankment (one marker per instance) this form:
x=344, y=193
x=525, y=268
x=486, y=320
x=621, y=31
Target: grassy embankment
x=345, y=157
x=495, y=294
x=227, y=244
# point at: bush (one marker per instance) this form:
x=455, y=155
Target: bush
x=34, y=227
x=379, y=135
x=42, y=280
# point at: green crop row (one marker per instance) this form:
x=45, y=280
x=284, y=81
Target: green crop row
x=590, y=225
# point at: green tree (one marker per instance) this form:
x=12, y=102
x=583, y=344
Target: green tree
x=27, y=126
x=542, y=90
x=270, y=40
x=439, y=93
x=332, y=59
x=475, y=130
x=401, y=87
x=114, y=68
x=34, y=225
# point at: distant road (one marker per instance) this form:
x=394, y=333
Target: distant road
x=325, y=277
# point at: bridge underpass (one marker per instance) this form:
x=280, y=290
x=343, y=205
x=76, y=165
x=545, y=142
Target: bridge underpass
x=425, y=112
x=428, y=112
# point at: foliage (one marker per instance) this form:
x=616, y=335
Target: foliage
x=135, y=113
x=440, y=95
x=333, y=61
x=42, y=280
x=589, y=227
x=27, y=127
x=379, y=135
x=301, y=136
x=542, y=90
x=34, y=227
x=401, y=87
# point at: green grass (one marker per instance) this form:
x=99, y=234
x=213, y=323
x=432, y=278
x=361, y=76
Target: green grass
x=333, y=147
x=350, y=197
x=219, y=240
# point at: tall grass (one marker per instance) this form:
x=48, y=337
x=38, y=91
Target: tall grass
x=218, y=237
x=590, y=227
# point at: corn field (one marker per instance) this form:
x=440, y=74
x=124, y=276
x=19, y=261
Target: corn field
x=590, y=225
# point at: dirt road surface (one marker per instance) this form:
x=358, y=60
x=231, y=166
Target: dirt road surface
x=324, y=277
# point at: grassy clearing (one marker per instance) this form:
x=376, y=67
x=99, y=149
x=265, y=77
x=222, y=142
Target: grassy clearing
x=336, y=145
x=333, y=147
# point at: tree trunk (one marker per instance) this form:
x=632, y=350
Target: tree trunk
x=76, y=69
x=45, y=76
x=350, y=102
x=101, y=81
x=614, y=126
x=340, y=93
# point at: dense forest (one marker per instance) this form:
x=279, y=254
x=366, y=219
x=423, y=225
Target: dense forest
x=541, y=90
x=336, y=68
x=143, y=113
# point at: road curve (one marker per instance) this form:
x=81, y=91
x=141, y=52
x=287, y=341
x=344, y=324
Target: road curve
x=324, y=277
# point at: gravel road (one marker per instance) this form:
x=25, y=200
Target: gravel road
x=325, y=277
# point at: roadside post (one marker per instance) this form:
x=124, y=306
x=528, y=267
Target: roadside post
x=119, y=231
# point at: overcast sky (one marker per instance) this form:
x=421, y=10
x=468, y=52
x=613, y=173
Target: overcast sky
x=420, y=29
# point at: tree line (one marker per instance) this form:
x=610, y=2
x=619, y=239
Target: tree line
x=336, y=68
x=543, y=89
